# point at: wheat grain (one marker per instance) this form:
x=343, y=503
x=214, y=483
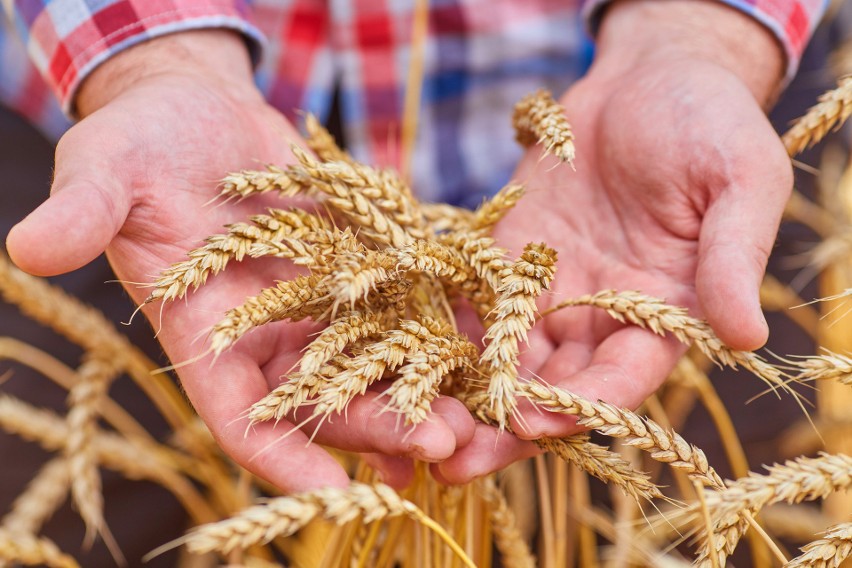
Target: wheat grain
x=515, y=312
x=828, y=552
x=30, y=550
x=42, y=497
x=537, y=118
x=832, y=110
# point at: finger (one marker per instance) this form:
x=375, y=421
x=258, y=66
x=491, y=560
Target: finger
x=282, y=455
x=624, y=370
x=490, y=450
x=367, y=427
x=69, y=230
x=393, y=471
x=737, y=235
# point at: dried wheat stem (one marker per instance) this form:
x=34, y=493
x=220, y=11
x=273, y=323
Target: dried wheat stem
x=492, y=210
x=828, y=552
x=84, y=401
x=832, y=111
x=284, y=516
x=30, y=550
x=419, y=379
x=654, y=314
x=662, y=445
x=538, y=118
x=322, y=143
x=514, y=550
x=515, y=311
x=42, y=497
x=294, y=299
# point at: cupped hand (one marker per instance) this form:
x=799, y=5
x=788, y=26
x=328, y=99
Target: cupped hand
x=679, y=187
x=163, y=122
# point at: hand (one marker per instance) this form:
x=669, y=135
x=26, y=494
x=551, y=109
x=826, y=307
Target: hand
x=162, y=123
x=679, y=187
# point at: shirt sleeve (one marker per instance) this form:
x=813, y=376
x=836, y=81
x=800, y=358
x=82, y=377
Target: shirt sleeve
x=67, y=39
x=791, y=21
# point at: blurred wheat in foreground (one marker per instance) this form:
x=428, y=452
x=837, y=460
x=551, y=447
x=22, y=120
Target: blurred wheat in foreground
x=383, y=272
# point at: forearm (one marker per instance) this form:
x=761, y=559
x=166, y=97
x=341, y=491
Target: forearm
x=635, y=32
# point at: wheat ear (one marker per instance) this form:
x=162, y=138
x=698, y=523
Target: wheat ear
x=254, y=182
x=538, y=118
x=322, y=143
x=31, y=550
x=284, y=516
x=824, y=367
x=654, y=314
x=492, y=210
x=832, y=110
x=514, y=550
x=242, y=239
x=662, y=445
x=828, y=552
x=443, y=217
x=42, y=497
x=795, y=481
x=84, y=399
x=294, y=299
x=515, y=311
x=419, y=379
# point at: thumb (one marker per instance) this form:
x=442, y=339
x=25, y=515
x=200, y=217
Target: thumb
x=68, y=230
x=737, y=235
x=78, y=220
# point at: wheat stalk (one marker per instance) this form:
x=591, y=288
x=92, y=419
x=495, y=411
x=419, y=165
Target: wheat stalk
x=538, y=119
x=832, y=110
x=30, y=550
x=515, y=312
x=828, y=552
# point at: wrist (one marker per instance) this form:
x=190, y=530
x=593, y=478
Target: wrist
x=637, y=32
x=220, y=56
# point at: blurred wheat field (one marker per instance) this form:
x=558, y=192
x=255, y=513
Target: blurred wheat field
x=382, y=271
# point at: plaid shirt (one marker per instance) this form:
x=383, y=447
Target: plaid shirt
x=481, y=56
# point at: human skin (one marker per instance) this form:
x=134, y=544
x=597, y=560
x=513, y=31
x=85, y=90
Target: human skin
x=679, y=186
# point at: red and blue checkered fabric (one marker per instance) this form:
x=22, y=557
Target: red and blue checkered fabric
x=481, y=56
